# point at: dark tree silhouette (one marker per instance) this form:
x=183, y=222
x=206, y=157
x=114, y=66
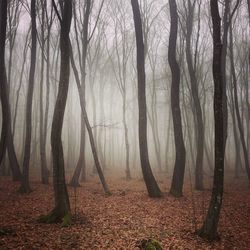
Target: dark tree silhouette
x=3, y=80
x=61, y=212
x=25, y=186
x=44, y=169
x=209, y=228
x=180, y=152
x=152, y=186
x=6, y=134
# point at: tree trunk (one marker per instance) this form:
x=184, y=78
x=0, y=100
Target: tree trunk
x=89, y=129
x=25, y=186
x=3, y=81
x=46, y=114
x=81, y=164
x=6, y=134
x=124, y=120
x=209, y=228
x=180, y=152
x=61, y=211
x=80, y=167
x=44, y=169
x=151, y=184
x=197, y=105
x=236, y=105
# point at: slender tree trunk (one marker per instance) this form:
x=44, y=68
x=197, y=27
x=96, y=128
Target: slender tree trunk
x=89, y=129
x=81, y=164
x=25, y=186
x=61, y=211
x=44, y=169
x=209, y=228
x=151, y=184
x=14, y=165
x=80, y=167
x=197, y=105
x=46, y=114
x=236, y=105
x=20, y=84
x=180, y=152
x=128, y=174
x=238, y=162
x=3, y=81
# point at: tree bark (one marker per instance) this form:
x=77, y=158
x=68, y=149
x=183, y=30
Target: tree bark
x=61, y=211
x=209, y=228
x=3, y=81
x=6, y=134
x=151, y=184
x=180, y=152
x=44, y=169
x=25, y=186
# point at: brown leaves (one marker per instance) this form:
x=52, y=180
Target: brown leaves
x=119, y=221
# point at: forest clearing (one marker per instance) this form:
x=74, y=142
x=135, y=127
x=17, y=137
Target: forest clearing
x=122, y=220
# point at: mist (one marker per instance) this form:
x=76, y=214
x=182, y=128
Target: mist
x=95, y=119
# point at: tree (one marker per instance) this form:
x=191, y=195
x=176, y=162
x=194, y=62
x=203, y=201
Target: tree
x=195, y=96
x=81, y=163
x=42, y=129
x=180, y=152
x=209, y=228
x=25, y=186
x=6, y=134
x=151, y=184
x=81, y=91
x=122, y=49
x=88, y=127
x=61, y=211
x=3, y=80
x=13, y=19
x=236, y=105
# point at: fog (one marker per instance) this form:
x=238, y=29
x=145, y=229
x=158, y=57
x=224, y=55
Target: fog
x=111, y=85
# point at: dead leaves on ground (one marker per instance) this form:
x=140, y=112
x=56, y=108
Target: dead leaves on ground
x=119, y=221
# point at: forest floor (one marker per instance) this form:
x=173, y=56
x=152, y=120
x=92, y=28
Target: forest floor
x=121, y=220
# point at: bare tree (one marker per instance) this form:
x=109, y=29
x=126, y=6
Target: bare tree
x=81, y=92
x=236, y=105
x=61, y=211
x=44, y=169
x=3, y=81
x=152, y=186
x=180, y=152
x=25, y=186
x=195, y=95
x=123, y=49
x=81, y=163
x=209, y=228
